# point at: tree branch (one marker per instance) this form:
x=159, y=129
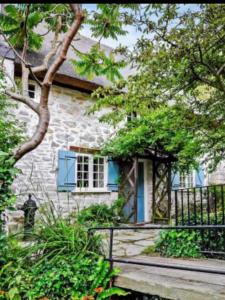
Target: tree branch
x=22, y=60
x=53, y=50
x=25, y=100
x=220, y=69
x=44, y=115
x=25, y=70
x=65, y=45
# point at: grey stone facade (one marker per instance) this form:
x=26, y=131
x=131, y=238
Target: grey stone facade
x=69, y=126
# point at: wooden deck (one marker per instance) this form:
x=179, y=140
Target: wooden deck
x=171, y=283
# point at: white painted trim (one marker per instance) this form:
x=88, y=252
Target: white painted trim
x=91, y=189
x=194, y=175
x=146, y=198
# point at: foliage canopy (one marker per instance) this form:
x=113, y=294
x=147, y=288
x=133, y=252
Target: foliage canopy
x=178, y=84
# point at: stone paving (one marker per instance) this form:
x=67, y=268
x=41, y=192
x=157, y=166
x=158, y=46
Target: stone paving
x=165, y=282
x=130, y=243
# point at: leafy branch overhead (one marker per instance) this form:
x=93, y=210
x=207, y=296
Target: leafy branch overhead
x=97, y=62
x=27, y=27
x=178, y=89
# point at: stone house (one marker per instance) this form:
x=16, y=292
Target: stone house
x=66, y=168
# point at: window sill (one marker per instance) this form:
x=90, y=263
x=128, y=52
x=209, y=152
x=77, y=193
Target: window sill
x=82, y=191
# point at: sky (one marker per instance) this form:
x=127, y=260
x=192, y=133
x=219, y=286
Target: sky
x=130, y=38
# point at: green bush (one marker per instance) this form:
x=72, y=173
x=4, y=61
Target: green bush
x=68, y=277
x=211, y=240
x=62, y=261
x=199, y=220
x=11, y=135
x=62, y=238
x=10, y=250
x=102, y=214
x=179, y=243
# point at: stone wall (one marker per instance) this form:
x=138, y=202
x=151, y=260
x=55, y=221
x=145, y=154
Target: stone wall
x=218, y=176
x=69, y=126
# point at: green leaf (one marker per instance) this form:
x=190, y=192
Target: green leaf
x=111, y=292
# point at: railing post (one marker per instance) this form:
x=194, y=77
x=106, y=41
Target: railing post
x=222, y=199
x=182, y=206
x=201, y=204
x=208, y=208
x=195, y=212
x=111, y=254
x=215, y=204
x=188, y=205
x=176, y=209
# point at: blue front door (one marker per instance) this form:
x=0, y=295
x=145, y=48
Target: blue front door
x=140, y=195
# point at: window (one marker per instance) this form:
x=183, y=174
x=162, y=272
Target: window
x=31, y=91
x=186, y=180
x=131, y=116
x=91, y=173
x=83, y=171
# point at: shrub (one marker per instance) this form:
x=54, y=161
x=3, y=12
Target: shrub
x=62, y=238
x=62, y=262
x=217, y=243
x=179, y=243
x=68, y=277
x=102, y=214
x=11, y=136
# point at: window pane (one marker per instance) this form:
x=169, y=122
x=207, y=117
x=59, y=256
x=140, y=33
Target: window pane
x=98, y=172
x=31, y=91
x=101, y=160
x=82, y=171
x=95, y=184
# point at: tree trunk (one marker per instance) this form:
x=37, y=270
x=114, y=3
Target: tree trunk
x=42, y=109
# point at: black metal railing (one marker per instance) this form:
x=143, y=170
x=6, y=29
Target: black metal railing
x=200, y=205
x=202, y=228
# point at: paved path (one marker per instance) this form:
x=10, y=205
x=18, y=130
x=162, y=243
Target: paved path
x=129, y=243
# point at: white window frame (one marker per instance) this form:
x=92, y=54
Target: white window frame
x=186, y=180
x=91, y=188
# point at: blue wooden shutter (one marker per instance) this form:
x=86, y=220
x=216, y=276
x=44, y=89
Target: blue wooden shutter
x=175, y=176
x=113, y=175
x=66, y=170
x=199, y=177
